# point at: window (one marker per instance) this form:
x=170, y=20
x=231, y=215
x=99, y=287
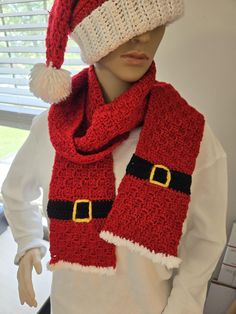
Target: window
x=23, y=26
x=11, y=140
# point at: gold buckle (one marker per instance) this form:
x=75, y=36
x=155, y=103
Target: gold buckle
x=86, y=219
x=168, y=176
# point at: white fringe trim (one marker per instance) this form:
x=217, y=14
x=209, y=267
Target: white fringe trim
x=50, y=84
x=168, y=260
x=76, y=266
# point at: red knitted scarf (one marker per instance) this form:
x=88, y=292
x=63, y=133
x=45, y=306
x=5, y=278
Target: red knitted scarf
x=87, y=219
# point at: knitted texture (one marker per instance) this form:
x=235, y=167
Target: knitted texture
x=83, y=167
x=144, y=216
x=57, y=32
x=148, y=216
x=114, y=22
x=98, y=27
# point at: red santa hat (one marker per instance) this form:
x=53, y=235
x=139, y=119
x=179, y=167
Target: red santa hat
x=98, y=27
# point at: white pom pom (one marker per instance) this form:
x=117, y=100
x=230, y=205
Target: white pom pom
x=50, y=84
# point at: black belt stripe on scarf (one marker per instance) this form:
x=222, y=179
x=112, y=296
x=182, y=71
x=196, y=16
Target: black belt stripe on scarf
x=158, y=174
x=85, y=210
x=79, y=210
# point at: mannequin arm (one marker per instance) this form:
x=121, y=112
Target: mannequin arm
x=19, y=189
x=203, y=243
x=32, y=258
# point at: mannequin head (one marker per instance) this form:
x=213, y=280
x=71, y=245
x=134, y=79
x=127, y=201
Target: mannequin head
x=115, y=74
x=103, y=32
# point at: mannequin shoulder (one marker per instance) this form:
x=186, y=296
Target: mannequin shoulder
x=40, y=123
x=166, y=88
x=39, y=128
x=161, y=87
x=210, y=146
x=175, y=103
x=211, y=149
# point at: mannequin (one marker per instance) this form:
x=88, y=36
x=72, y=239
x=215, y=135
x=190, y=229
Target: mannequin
x=139, y=285
x=115, y=76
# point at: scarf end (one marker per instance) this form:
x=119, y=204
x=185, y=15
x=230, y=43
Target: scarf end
x=76, y=266
x=167, y=260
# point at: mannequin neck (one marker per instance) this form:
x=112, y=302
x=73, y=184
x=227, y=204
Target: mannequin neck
x=111, y=85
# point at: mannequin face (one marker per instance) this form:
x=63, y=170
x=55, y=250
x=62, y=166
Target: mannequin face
x=122, y=68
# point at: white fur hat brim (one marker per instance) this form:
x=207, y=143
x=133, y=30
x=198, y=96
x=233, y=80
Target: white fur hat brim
x=117, y=21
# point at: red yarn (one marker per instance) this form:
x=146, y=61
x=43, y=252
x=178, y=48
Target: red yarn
x=84, y=130
x=57, y=32
x=64, y=17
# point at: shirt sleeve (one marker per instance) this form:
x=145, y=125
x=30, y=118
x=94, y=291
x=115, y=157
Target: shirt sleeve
x=202, y=243
x=20, y=188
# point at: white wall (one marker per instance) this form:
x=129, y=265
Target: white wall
x=198, y=56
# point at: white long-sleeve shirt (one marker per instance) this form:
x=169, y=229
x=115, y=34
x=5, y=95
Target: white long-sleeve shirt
x=139, y=285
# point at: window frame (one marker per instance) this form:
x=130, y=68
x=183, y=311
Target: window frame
x=18, y=106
